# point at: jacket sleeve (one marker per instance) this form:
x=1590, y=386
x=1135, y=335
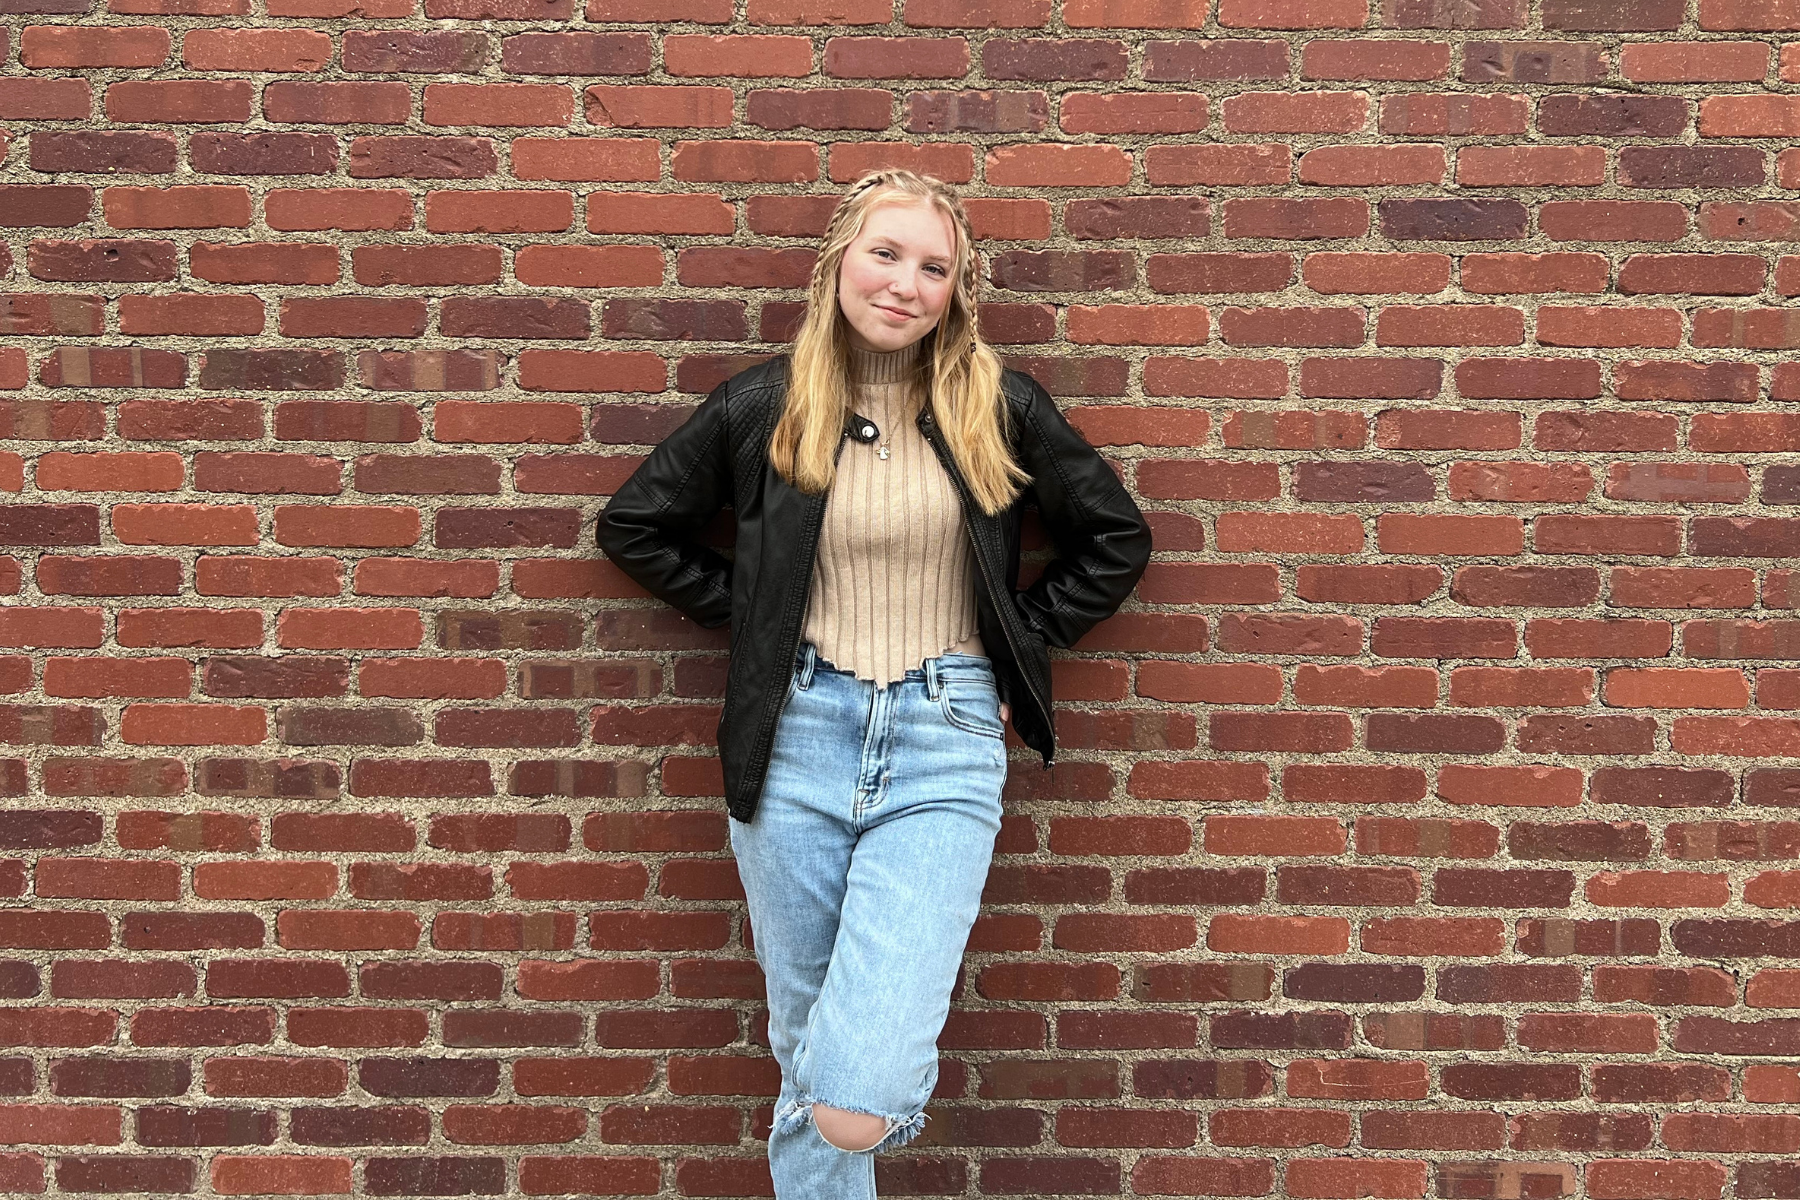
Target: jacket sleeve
x=679, y=488
x=1102, y=540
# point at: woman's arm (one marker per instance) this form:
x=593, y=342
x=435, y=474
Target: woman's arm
x=680, y=487
x=1102, y=540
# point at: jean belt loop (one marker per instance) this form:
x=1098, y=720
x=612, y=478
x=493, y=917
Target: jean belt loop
x=934, y=681
x=809, y=655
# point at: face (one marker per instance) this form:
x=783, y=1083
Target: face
x=897, y=276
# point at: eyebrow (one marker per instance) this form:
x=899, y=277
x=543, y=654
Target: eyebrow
x=936, y=258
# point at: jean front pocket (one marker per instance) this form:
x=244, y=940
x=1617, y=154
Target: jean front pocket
x=971, y=702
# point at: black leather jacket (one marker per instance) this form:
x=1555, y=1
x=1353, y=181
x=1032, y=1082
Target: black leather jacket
x=719, y=457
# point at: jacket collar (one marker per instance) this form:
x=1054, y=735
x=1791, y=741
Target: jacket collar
x=853, y=422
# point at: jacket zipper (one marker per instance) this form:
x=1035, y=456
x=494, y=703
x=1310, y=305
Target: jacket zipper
x=928, y=427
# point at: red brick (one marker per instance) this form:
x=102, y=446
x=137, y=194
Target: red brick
x=1432, y=936
x=1520, y=482
x=1366, y=687
x=74, y=47
x=1290, y=1127
x=256, y=49
x=1295, y=533
x=1448, y=534
x=180, y=101
x=1283, y=836
x=1320, y=782
x=1652, y=1179
x=1336, y=1177
x=1682, y=587
x=1530, y=785
x=1453, y=1130
x=1677, y=687
x=1244, y=934
x=1357, y=1079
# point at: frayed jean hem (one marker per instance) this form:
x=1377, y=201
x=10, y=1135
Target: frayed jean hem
x=796, y=1114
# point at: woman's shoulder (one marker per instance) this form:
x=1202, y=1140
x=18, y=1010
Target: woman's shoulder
x=769, y=374
x=1016, y=380
x=1021, y=389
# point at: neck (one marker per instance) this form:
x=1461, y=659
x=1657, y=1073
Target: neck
x=884, y=366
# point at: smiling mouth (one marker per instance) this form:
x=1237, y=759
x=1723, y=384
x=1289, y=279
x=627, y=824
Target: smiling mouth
x=897, y=312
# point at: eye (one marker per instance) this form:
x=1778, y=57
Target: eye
x=886, y=253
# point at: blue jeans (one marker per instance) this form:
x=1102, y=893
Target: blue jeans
x=863, y=867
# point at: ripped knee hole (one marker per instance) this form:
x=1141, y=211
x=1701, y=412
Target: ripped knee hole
x=895, y=1130
x=850, y=1131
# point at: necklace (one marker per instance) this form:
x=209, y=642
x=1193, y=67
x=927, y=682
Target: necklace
x=869, y=433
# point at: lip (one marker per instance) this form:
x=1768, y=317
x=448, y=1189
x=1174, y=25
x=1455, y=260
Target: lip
x=898, y=312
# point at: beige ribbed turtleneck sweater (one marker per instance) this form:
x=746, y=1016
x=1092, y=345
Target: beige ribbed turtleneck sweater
x=894, y=581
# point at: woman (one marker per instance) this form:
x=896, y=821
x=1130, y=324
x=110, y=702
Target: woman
x=878, y=472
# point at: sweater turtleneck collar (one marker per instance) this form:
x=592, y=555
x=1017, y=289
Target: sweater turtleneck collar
x=879, y=367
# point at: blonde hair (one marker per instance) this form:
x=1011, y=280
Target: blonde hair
x=960, y=373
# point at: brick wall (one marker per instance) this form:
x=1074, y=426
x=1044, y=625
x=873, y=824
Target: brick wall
x=1427, y=820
